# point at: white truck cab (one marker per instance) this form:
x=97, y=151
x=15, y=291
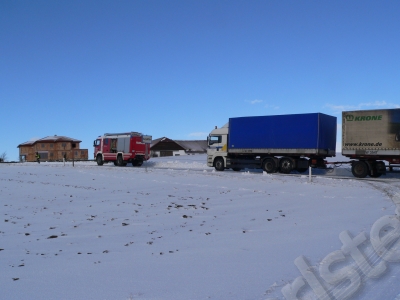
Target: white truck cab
x=217, y=146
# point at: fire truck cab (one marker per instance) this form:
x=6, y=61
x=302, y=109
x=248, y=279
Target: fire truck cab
x=122, y=148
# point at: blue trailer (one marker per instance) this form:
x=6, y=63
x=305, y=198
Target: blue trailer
x=274, y=143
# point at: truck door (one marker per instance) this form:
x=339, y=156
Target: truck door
x=97, y=147
x=106, y=146
x=215, y=142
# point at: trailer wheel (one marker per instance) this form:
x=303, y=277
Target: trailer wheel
x=219, y=164
x=99, y=160
x=286, y=165
x=120, y=161
x=359, y=169
x=269, y=165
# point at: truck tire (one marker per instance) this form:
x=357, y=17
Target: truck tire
x=269, y=165
x=286, y=165
x=99, y=160
x=137, y=163
x=359, y=169
x=120, y=161
x=219, y=164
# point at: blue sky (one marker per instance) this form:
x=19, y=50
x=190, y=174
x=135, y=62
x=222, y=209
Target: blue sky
x=178, y=68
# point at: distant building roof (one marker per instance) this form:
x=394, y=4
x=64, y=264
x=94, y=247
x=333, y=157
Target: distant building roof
x=165, y=143
x=50, y=139
x=193, y=145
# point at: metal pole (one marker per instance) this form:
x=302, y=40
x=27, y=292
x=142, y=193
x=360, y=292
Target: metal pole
x=309, y=174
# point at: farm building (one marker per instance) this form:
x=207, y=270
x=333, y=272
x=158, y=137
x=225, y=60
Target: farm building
x=52, y=148
x=167, y=147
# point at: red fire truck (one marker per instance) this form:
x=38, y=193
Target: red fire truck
x=122, y=148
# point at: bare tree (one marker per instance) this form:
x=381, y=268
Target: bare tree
x=3, y=157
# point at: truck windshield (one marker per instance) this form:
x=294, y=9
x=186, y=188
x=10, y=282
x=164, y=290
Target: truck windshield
x=96, y=143
x=214, y=139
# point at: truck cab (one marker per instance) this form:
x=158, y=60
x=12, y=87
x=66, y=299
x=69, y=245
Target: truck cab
x=217, y=142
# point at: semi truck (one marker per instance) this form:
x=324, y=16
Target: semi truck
x=273, y=143
x=370, y=137
x=122, y=148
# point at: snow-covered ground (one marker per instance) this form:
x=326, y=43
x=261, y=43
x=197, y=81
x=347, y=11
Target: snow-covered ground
x=176, y=229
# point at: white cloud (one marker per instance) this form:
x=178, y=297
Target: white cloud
x=363, y=105
x=201, y=134
x=271, y=106
x=254, y=101
x=257, y=101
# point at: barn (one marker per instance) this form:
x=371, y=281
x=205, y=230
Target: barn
x=168, y=147
x=52, y=148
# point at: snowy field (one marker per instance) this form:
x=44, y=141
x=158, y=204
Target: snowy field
x=176, y=229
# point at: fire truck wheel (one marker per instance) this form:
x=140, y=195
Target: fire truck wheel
x=99, y=160
x=120, y=161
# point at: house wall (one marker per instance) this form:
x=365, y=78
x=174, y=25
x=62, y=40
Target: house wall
x=50, y=151
x=162, y=153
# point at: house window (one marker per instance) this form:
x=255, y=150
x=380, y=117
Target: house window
x=76, y=153
x=64, y=144
x=82, y=153
x=44, y=155
x=51, y=146
x=166, y=153
x=42, y=145
x=51, y=155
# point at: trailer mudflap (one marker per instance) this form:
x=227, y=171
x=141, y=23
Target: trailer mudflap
x=302, y=163
x=381, y=168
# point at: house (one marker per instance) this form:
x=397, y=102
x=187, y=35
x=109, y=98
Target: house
x=167, y=147
x=52, y=148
